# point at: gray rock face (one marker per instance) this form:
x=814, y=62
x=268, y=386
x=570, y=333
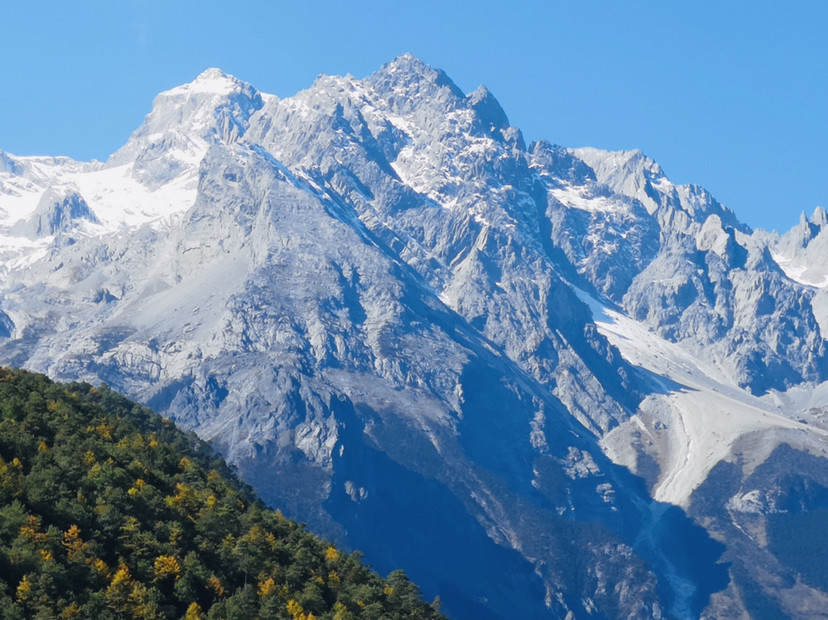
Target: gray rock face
x=373, y=305
x=736, y=306
x=693, y=274
x=800, y=252
x=774, y=522
x=56, y=212
x=8, y=164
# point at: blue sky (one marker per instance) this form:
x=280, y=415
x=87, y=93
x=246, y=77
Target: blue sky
x=731, y=95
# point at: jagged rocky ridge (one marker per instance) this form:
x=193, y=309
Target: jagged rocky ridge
x=386, y=309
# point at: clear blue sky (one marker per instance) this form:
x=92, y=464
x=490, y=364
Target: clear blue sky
x=732, y=95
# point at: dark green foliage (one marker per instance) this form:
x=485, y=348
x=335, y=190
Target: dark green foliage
x=108, y=511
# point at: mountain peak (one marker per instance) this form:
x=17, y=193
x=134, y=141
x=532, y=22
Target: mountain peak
x=406, y=70
x=627, y=164
x=184, y=121
x=488, y=109
x=210, y=81
x=407, y=62
x=213, y=73
x=820, y=218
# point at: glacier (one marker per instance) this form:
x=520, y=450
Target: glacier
x=546, y=382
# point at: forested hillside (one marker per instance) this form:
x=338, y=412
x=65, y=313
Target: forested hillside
x=108, y=511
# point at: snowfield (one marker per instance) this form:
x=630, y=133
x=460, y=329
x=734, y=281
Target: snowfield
x=701, y=412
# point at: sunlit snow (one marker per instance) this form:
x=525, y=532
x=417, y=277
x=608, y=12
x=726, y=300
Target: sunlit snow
x=705, y=412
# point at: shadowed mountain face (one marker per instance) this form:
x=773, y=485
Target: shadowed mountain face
x=417, y=334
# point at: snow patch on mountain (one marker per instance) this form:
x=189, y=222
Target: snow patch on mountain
x=116, y=201
x=693, y=417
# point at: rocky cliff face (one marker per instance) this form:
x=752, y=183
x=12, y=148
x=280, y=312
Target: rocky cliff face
x=391, y=314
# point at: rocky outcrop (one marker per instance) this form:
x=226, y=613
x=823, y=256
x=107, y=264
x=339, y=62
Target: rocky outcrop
x=58, y=211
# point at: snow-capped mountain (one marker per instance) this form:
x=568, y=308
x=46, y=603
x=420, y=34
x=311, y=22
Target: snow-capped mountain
x=543, y=381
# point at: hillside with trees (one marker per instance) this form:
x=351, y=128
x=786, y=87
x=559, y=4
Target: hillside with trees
x=108, y=511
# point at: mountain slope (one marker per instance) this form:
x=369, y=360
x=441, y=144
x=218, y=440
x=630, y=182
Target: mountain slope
x=391, y=314
x=108, y=511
